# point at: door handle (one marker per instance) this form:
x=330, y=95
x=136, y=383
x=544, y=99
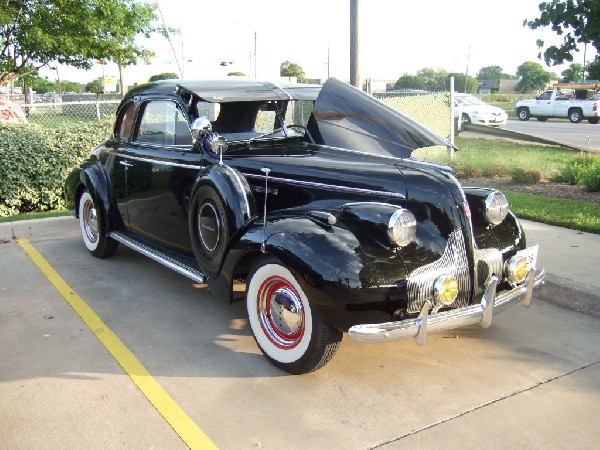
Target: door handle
x=125, y=163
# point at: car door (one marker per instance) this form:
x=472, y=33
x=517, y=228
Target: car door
x=160, y=167
x=543, y=105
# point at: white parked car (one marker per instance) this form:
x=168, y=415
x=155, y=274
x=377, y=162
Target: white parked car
x=473, y=110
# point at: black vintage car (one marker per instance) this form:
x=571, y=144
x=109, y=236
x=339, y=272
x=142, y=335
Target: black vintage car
x=310, y=196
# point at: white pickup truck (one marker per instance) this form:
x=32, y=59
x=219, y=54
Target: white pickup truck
x=574, y=104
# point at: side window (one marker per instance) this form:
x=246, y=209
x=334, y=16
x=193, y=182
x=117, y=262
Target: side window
x=545, y=96
x=163, y=124
x=124, y=123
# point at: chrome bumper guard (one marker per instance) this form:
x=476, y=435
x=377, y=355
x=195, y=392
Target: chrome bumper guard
x=481, y=313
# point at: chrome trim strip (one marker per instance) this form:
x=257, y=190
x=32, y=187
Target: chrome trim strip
x=158, y=161
x=177, y=266
x=328, y=186
x=241, y=186
x=447, y=320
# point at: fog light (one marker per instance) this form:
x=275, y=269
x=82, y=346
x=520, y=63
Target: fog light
x=516, y=269
x=445, y=289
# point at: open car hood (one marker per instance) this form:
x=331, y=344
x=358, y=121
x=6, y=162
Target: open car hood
x=346, y=117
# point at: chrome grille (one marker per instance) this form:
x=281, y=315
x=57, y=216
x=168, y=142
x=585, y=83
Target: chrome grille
x=453, y=262
x=488, y=262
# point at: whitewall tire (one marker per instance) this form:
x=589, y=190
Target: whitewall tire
x=290, y=334
x=90, y=223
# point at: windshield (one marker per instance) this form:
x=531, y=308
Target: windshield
x=467, y=100
x=255, y=120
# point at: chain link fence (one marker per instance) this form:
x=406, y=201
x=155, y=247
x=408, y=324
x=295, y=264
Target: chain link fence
x=51, y=111
x=430, y=109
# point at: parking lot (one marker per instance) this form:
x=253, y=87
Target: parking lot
x=530, y=381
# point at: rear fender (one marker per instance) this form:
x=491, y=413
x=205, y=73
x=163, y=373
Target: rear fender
x=93, y=177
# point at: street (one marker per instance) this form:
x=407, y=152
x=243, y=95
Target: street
x=583, y=135
x=532, y=380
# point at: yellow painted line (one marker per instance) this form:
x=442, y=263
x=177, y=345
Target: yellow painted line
x=187, y=430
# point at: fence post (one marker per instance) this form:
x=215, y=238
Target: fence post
x=451, y=149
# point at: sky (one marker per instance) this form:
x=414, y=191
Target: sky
x=396, y=37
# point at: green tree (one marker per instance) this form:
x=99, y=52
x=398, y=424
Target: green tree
x=593, y=69
x=163, y=76
x=470, y=87
x=95, y=86
x=573, y=73
x=408, y=81
x=236, y=74
x=290, y=69
x=71, y=86
x=577, y=21
x=532, y=76
x=34, y=33
x=435, y=80
x=493, y=73
x=41, y=85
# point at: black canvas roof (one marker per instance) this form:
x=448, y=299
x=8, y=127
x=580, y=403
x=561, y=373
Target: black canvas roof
x=235, y=89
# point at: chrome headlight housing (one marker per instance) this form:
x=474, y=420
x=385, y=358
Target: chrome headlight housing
x=402, y=227
x=496, y=207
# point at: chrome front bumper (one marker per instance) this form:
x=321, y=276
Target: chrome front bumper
x=481, y=313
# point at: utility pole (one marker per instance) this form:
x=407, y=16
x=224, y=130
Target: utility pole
x=354, y=45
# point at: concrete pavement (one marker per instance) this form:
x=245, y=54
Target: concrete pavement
x=570, y=258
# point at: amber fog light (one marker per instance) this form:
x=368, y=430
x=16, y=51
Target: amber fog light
x=516, y=269
x=445, y=289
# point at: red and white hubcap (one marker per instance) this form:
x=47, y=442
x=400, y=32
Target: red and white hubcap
x=280, y=312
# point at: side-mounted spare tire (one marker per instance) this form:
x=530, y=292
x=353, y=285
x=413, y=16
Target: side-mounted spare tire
x=221, y=205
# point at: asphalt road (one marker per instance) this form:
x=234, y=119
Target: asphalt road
x=583, y=135
x=530, y=381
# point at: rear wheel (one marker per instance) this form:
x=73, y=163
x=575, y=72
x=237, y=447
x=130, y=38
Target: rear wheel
x=575, y=115
x=90, y=222
x=523, y=114
x=593, y=120
x=289, y=333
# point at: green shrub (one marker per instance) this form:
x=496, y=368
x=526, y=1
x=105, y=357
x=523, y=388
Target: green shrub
x=34, y=162
x=495, y=171
x=526, y=176
x=583, y=171
x=464, y=171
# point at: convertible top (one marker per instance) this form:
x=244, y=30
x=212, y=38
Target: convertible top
x=235, y=89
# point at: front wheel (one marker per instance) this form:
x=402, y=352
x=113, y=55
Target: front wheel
x=523, y=114
x=92, y=230
x=575, y=115
x=289, y=333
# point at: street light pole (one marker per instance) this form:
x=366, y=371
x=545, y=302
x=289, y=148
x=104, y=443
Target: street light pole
x=354, y=45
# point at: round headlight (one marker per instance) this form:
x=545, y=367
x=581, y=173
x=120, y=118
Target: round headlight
x=516, y=269
x=496, y=207
x=402, y=227
x=445, y=289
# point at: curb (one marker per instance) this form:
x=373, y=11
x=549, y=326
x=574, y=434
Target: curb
x=570, y=295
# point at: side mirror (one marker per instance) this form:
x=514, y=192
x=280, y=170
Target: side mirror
x=201, y=127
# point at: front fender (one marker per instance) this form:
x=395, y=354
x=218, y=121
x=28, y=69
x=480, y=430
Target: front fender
x=234, y=191
x=342, y=281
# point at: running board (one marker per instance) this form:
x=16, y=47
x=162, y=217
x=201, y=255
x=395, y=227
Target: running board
x=179, y=263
